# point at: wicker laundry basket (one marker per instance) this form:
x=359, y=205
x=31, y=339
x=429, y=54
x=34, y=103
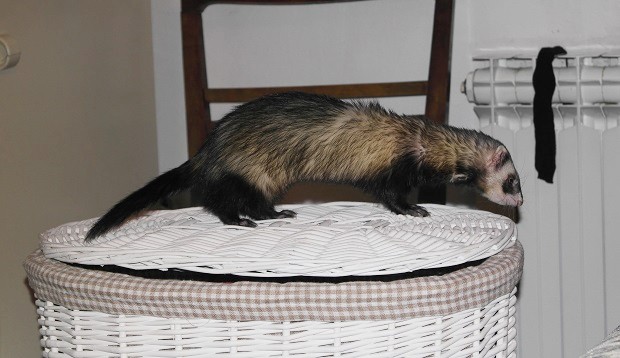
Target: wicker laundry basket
x=342, y=279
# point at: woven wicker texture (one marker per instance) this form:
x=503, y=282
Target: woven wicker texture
x=467, y=312
x=335, y=239
x=485, y=332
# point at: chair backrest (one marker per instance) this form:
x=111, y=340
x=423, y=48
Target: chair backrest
x=198, y=95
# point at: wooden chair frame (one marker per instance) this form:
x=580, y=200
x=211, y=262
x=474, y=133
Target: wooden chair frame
x=198, y=95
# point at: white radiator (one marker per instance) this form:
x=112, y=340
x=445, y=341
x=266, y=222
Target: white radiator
x=570, y=291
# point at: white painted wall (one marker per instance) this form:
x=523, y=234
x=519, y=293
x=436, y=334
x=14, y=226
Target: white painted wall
x=582, y=27
x=169, y=91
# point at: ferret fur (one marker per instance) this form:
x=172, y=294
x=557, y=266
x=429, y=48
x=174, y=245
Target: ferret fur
x=257, y=151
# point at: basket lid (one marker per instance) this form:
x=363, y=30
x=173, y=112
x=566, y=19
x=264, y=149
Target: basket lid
x=325, y=240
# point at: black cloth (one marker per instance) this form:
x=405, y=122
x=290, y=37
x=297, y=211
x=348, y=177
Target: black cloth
x=544, y=131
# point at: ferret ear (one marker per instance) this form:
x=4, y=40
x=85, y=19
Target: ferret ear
x=464, y=174
x=459, y=178
x=498, y=158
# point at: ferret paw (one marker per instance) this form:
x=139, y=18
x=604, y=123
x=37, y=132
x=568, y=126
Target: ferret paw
x=284, y=214
x=246, y=223
x=238, y=222
x=417, y=211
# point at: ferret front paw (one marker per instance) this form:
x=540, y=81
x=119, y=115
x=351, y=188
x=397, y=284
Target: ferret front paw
x=285, y=214
x=417, y=211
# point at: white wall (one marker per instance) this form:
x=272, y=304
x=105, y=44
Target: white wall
x=77, y=131
x=581, y=27
x=169, y=91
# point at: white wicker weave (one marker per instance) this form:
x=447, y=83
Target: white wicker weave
x=485, y=332
x=465, y=312
x=335, y=239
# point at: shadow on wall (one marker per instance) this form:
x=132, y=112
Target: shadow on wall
x=319, y=193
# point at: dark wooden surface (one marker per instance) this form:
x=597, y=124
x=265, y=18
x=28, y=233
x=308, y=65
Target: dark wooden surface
x=363, y=90
x=439, y=83
x=200, y=5
x=195, y=75
x=439, y=65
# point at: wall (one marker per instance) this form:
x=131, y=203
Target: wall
x=169, y=91
x=582, y=27
x=77, y=131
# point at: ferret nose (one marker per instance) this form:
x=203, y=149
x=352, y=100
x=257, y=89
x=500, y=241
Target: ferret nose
x=520, y=200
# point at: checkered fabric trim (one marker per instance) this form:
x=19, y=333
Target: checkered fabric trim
x=463, y=289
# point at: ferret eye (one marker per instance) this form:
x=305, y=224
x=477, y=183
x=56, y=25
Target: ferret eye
x=514, y=182
x=509, y=186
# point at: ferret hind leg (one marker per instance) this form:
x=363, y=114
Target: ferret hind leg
x=232, y=196
x=227, y=197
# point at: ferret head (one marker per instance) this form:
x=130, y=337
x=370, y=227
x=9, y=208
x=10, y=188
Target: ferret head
x=501, y=184
x=498, y=181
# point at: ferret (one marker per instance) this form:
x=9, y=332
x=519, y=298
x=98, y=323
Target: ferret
x=259, y=149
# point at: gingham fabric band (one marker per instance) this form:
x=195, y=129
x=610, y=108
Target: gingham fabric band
x=463, y=289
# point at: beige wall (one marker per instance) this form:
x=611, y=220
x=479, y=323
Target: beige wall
x=77, y=130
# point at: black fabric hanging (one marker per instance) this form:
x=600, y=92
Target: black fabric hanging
x=544, y=131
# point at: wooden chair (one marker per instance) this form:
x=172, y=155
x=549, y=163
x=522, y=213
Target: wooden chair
x=198, y=94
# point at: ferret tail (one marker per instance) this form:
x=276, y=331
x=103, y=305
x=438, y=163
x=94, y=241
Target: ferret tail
x=165, y=185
